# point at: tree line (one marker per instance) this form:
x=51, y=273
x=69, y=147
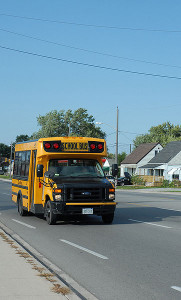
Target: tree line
x=80, y=123
x=162, y=134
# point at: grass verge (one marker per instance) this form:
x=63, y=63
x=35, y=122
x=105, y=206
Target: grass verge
x=138, y=187
x=5, y=176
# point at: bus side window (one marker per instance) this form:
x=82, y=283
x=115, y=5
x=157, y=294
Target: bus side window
x=23, y=159
x=15, y=172
x=19, y=164
x=28, y=154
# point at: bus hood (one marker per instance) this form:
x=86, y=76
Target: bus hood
x=81, y=180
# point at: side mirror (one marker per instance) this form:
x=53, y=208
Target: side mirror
x=114, y=169
x=39, y=171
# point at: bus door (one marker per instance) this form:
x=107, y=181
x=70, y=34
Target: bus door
x=32, y=181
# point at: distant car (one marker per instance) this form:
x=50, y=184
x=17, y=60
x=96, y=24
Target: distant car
x=124, y=180
x=110, y=178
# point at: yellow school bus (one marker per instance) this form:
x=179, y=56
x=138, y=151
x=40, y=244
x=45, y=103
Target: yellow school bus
x=62, y=176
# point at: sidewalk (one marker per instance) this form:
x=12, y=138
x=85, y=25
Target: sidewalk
x=23, y=277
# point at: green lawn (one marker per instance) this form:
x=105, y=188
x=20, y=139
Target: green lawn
x=132, y=187
x=136, y=187
x=5, y=176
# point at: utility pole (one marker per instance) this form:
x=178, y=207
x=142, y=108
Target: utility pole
x=116, y=154
x=11, y=158
x=69, y=130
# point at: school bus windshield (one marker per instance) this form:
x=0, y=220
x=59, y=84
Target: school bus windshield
x=75, y=168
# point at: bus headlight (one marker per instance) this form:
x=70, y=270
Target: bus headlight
x=58, y=194
x=58, y=197
x=111, y=194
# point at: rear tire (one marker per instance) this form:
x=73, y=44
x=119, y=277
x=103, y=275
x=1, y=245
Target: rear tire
x=108, y=219
x=49, y=214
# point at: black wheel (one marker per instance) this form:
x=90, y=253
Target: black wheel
x=49, y=214
x=21, y=210
x=122, y=184
x=108, y=219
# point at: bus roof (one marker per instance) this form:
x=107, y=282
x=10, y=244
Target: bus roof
x=65, y=145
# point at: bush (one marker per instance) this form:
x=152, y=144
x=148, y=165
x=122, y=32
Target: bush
x=165, y=183
x=172, y=184
x=137, y=180
x=175, y=183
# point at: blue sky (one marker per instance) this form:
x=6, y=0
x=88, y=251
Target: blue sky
x=32, y=86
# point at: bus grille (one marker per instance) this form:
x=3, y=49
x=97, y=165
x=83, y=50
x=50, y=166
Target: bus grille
x=85, y=194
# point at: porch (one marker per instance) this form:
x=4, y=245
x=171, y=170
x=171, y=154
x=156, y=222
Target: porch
x=152, y=180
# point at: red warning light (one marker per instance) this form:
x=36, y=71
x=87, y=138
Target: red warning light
x=100, y=146
x=47, y=145
x=92, y=146
x=56, y=146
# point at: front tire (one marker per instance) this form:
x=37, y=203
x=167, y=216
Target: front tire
x=21, y=210
x=49, y=214
x=108, y=219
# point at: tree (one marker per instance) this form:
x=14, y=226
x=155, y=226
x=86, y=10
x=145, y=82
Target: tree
x=5, y=151
x=77, y=123
x=121, y=157
x=162, y=134
x=22, y=138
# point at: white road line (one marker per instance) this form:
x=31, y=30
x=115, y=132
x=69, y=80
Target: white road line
x=177, y=288
x=27, y=225
x=6, y=194
x=169, y=209
x=148, y=223
x=84, y=249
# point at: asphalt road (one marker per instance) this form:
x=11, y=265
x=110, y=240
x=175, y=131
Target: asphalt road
x=137, y=257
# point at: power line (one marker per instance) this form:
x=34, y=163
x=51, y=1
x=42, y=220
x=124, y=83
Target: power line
x=130, y=132
x=90, y=65
x=91, y=25
x=87, y=50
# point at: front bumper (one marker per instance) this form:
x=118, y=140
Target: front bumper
x=99, y=208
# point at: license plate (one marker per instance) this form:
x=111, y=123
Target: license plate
x=87, y=211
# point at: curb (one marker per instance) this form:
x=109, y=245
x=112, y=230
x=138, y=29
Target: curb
x=6, y=180
x=77, y=291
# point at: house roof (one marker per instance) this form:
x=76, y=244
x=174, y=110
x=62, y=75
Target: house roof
x=167, y=153
x=139, y=153
x=150, y=166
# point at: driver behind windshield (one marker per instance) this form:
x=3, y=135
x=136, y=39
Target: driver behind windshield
x=76, y=167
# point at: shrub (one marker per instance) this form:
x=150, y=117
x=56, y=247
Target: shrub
x=175, y=183
x=172, y=184
x=137, y=180
x=165, y=183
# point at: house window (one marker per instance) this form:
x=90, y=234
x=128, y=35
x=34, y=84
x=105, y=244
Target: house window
x=156, y=151
x=161, y=172
x=175, y=176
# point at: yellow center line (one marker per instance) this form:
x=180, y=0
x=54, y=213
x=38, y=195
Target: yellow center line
x=138, y=204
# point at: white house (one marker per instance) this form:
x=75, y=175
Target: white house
x=166, y=163
x=139, y=157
